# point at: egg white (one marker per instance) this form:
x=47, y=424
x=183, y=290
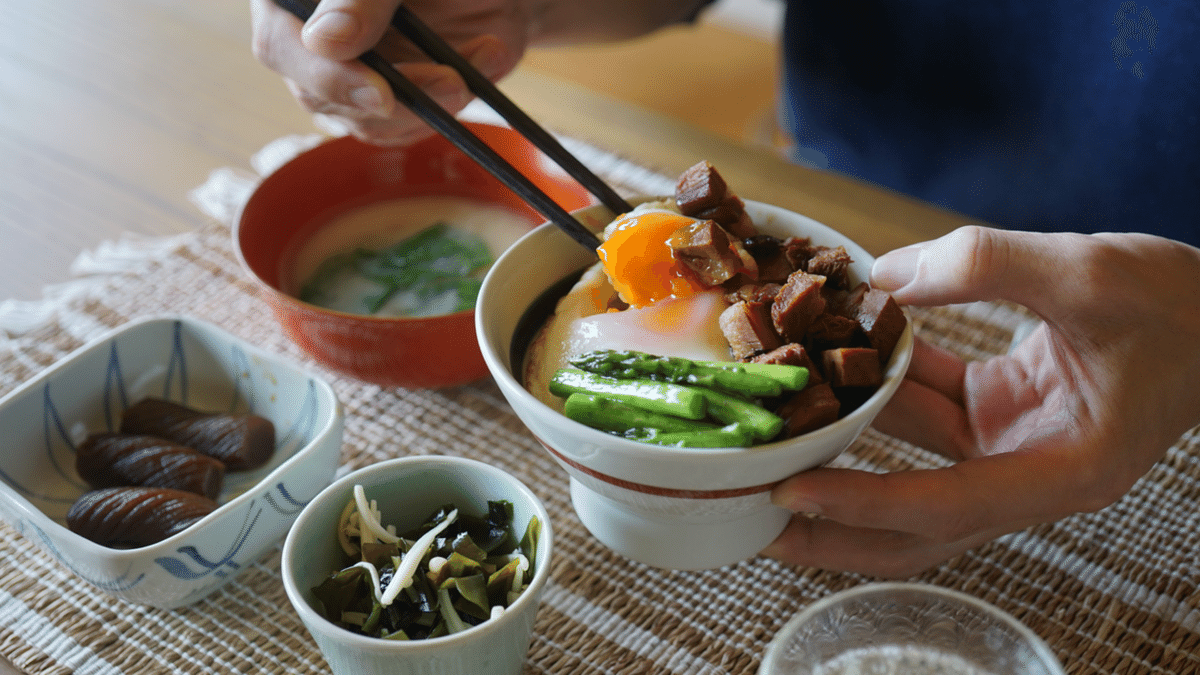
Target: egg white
x=684, y=327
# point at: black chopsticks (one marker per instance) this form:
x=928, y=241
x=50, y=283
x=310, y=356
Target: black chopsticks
x=414, y=98
x=437, y=49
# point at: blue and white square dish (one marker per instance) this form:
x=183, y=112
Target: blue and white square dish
x=189, y=362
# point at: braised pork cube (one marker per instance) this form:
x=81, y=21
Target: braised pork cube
x=832, y=331
x=798, y=251
x=706, y=249
x=753, y=293
x=882, y=320
x=747, y=327
x=792, y=354
x=700, y=187
x=833, y=264
x=774, y=266
x=731, y=215
x=852, y=367
x=847, y=302
x=809, y=409
x=798, y=304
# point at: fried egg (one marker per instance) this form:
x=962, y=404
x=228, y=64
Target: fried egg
x=638, y=259
x=672, y=315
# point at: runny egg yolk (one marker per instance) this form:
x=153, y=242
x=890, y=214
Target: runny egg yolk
x=639, y=261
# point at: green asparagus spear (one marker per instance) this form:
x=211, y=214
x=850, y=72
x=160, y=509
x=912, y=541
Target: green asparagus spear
x=752, y=379
x=792, y=378
x=605, y=414
x=728, y=409
x=734, y=435
x=659, y=397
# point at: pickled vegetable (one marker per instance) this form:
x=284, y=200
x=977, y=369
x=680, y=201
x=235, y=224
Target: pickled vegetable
x=115, y=460
x=455, y=571
x=131, y=517
x=240, y=441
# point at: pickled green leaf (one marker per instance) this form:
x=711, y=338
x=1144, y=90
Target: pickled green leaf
x=473, y=595
x=473, y=578
x=529, y=541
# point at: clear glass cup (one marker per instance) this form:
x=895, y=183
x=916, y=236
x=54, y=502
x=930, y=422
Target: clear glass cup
x=906, y=629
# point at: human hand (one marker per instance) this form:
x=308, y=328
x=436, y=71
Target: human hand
x=1065, y=423
x=319, y=59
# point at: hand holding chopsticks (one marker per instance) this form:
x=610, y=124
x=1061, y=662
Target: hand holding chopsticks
x=445, y=124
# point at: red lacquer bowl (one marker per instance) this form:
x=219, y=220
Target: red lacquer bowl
x=295, y=202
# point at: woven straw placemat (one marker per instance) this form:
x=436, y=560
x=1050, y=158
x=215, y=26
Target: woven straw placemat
x=1110, y=592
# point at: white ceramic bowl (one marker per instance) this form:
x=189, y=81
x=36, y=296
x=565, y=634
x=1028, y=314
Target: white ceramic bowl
x=189, y=362
x=407, y=490
x=666, y=507
x=906, y=628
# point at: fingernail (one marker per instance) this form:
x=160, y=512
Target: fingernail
x=895, y=269
x=333, y=26
x=369, y=100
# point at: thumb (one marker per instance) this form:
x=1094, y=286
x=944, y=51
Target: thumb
x=344, y=29
x=979, y=264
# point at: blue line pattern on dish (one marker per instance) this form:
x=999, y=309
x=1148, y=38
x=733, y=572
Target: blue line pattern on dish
x=114, y=385
x=177, y=366
x=118, y=584
x=238, y=356
x=180, y=569
x=303, y=428
x=291, y=506
x=54, y=437
x=30, y=494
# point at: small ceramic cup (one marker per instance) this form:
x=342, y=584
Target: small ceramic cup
x=407, y=489
x=906, y=628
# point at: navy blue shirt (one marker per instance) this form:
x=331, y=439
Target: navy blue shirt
x=1063, y=115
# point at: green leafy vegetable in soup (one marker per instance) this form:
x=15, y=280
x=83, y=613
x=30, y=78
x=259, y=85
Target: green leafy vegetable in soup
x=436, y=271
x=455, y=571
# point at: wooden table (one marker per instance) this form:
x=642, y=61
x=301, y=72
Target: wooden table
x=110, y=113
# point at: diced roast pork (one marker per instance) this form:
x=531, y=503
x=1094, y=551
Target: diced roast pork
x=846, y=303
x=700, y=187
x=882, y=320
x=831, y=331
x=702, y=193
x=833, y=264
x=756, y=292
x=809, y=409
x=707, y=250
x=852, y=367
x=798, y=305
x=774, y=265
x=747, y=326
x=731, y=214
x=791, y=354
x=790, y=301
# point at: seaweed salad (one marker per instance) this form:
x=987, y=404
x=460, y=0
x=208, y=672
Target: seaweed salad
x=454, y=571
